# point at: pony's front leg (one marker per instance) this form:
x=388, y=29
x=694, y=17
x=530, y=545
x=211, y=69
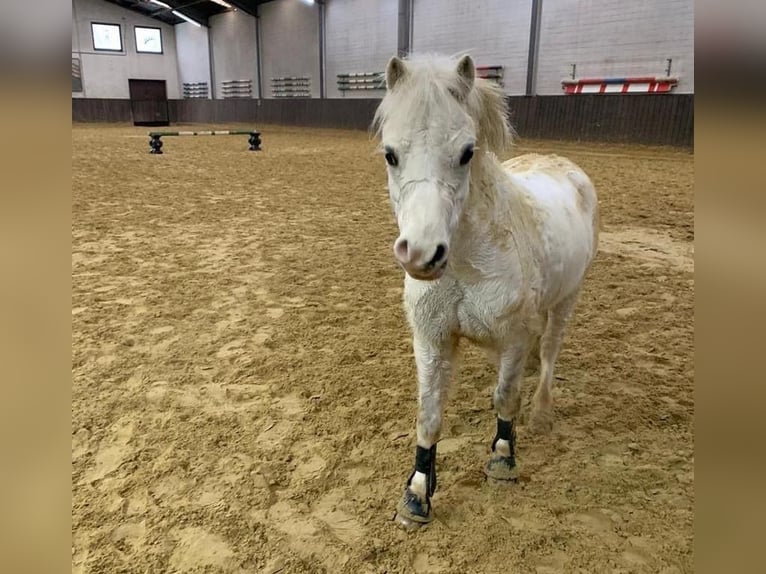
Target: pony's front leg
x=433, y=360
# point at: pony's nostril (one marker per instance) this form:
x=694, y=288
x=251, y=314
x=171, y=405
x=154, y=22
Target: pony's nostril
x=441, y=251
x=401, y=250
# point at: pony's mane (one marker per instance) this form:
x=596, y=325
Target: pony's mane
x=432, y=81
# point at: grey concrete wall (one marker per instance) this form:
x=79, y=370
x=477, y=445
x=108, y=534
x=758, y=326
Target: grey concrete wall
x=193, y=52
x=232, y=35
x=75, y=29
x=361, y=36
x=603, y=37
x=290, y=42
x=494, y=32
x=106, y=74
x=615, y=38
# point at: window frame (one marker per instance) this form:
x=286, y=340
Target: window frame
x=93, y=37
x=135, y=40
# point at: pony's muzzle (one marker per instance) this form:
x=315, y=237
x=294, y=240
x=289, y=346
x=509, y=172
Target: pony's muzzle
x=418, y=262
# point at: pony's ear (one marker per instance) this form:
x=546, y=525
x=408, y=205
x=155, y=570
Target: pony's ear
x=395, y=71
x=466, y=71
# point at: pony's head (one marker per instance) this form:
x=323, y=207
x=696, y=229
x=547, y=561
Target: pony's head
x=434, y=122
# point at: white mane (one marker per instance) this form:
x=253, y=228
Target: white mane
x=431, y=83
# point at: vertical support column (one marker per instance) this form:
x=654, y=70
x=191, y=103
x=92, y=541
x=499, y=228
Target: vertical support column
x=322, y=90
x=534, y=44
x=259, y=75
x=211, y=61
x=411, y=37
x=404, y=28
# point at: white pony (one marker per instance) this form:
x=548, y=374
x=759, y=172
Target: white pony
x=494, y=253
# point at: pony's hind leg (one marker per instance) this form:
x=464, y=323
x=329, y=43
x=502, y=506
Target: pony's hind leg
x=541, y=418
x=433, y=361
x=507, y=401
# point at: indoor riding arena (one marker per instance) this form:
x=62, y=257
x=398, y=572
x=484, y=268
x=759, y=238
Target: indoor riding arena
x=244, y=389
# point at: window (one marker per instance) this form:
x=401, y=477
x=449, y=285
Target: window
x=106, y=37
x=148, y=40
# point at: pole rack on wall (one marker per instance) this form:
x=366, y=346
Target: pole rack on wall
x=195, y=89
x=76, y=75
x=237, y=89
x=376, y=80
x=495, y=73
x=361, y=81
x=291, y=87
x=632, y=85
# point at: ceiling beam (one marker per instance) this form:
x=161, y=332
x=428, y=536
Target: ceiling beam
x=246, y=7
x=188, y=9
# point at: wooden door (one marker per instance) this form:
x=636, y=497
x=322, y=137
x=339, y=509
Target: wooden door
x=149, y=102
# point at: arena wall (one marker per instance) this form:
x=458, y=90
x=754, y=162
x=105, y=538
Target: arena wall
x=602, y=38
x=640, y=118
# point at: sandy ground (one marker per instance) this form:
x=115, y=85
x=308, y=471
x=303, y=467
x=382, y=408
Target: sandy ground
x=243, y=383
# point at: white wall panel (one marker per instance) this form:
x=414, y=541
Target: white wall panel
x=193, y=54
x=232, y=35
x=361, y=35
x=615, y=38
x=494, y=32
x=290, y=42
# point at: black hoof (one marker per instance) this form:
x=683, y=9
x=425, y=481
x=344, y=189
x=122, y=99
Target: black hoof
x=502, y=469
x=413, y=512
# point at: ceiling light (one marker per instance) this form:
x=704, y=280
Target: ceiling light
x=222, y=3
x=158, y=3
x=183, y=17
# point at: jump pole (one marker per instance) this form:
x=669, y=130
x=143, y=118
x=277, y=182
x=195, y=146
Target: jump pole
x=254, y=140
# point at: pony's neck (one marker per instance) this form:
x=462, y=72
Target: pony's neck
x=486, y=175
x=492, y=194
x=494, y=214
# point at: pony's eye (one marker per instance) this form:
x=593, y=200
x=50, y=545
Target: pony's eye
x=391, y=159
x=467, y=155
